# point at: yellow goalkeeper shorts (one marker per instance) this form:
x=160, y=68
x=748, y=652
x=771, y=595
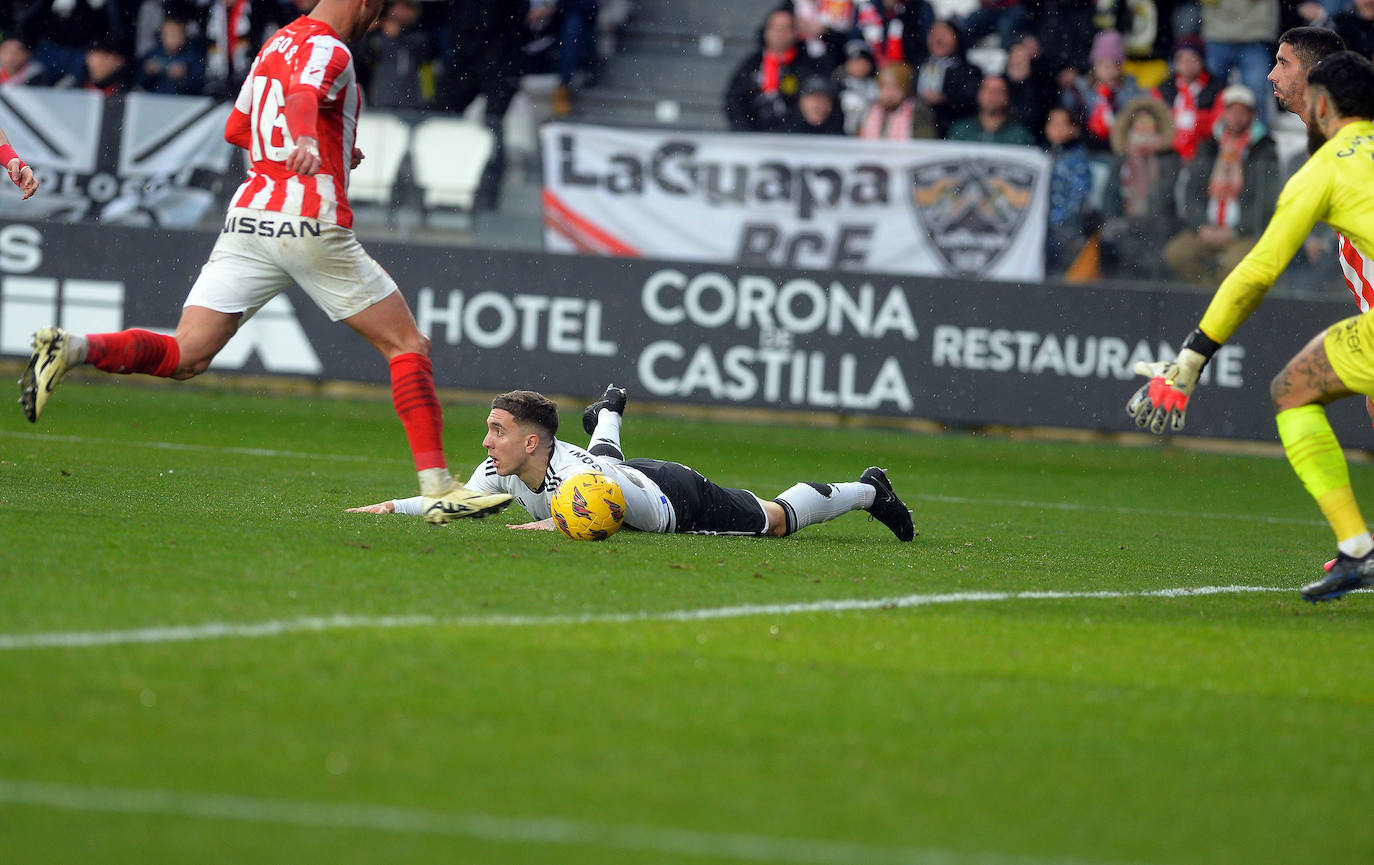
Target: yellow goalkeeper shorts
x=1350, y=349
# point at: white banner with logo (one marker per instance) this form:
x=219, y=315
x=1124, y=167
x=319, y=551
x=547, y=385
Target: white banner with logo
x=140, y=158
x=934, y=208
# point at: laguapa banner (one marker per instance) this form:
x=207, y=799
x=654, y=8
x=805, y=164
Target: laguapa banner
x=961, y=351
x=933, y=208
x=140, y=158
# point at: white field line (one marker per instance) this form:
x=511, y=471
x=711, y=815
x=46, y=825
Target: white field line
x=660, y=840
x=311, y=624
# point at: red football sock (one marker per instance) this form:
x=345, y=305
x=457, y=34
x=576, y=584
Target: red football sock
x=412, y=392
x=132, y=351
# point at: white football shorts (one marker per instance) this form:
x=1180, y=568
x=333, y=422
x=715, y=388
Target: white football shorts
x=260, y=253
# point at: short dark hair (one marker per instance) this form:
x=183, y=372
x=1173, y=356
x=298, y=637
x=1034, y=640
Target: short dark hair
x=530, y=408
x=1348, y=79
x=1312, y=45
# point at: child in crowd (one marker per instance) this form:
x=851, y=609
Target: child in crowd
x=1071, y=182
x=858, y=88
x=897, y=114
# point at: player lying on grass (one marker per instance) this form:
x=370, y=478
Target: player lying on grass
x=528, y=461
x=289, y=222
x=1336, y=185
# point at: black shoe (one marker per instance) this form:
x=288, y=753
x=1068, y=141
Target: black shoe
x=613, y=399
x=887, y=508
x=1345, y=576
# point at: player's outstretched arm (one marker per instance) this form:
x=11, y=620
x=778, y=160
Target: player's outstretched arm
x=538, y=525
x=387, y=507
x=1162, y=403
x=409, y=507
x=20, y=173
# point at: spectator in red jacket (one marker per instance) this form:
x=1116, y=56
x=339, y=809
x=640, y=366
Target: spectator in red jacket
x=1191, y=95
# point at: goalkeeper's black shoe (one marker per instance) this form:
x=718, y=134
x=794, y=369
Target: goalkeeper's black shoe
x=887, y=508
x=1345, y=575
x=613, y=399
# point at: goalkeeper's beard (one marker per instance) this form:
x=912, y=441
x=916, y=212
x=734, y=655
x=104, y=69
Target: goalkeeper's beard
x=1315, y=138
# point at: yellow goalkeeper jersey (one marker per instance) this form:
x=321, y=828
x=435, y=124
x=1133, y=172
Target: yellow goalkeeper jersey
x=1335, y=186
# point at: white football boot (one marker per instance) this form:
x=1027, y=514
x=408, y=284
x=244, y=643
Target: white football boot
x=460, y=502
x=52, y=358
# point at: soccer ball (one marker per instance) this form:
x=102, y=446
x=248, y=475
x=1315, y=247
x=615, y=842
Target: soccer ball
x=588, y=507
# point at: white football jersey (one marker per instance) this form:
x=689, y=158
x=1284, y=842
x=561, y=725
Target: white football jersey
x=646, y=507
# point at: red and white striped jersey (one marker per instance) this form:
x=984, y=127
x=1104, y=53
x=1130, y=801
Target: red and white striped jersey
x=1358, y=272
x=306, y=53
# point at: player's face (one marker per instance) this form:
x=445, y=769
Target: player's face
x=506, y=444
x=1290, y=80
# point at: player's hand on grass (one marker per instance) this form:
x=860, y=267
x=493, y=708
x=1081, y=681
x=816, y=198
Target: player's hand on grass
x=22, y=175
x=304, y=158
x=1162, y=402
x=387, y=507
x=540, y=525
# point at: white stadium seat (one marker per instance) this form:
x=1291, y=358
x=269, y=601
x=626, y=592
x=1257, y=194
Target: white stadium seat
x=383, y=139
x=447, y=158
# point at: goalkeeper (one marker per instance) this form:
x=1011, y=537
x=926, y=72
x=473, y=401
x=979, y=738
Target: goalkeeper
x=1336, y=186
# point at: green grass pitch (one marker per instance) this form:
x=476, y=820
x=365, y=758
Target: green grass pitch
x=384, y=691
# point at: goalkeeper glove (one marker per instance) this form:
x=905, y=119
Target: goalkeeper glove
x=1164, y=400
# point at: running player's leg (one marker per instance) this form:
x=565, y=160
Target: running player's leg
x=1300, y=393
x=351, y=287
x=232, y=282
x=808, y=503
x=601, y=420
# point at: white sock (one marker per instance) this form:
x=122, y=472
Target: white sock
x=808, y=504
x=76, y=349
x=435, y=482
x=607, y=435
x=1357, y=547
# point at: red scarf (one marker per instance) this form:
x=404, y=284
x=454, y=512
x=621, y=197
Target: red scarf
x=770, y=74
x=884, y=38
x=1228, y=174
x=895, y=124
x=1190, y=121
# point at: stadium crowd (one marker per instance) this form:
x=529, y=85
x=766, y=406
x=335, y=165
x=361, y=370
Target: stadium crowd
x=1157, y=114
x=422, y=53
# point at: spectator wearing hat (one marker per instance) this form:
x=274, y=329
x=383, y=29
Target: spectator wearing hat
x=817, y=113
x=1107, y=89
x=1356, y=27
x=1138, y=201
x=857, y=84
x=946, y=81
x=897, y=115
x=1239, y=35
x=763, y=89
x=1191, y=95
x=896, y=30
x=992, y=123
x=1230, y=193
